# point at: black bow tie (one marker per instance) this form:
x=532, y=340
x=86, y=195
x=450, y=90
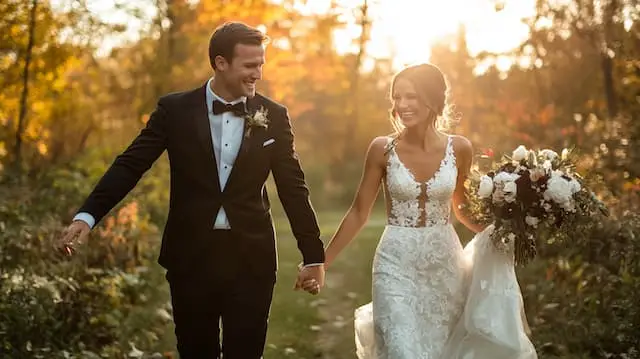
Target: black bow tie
x=237, y=109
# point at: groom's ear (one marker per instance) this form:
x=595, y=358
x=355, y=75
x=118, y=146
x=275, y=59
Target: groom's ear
x=221, y=63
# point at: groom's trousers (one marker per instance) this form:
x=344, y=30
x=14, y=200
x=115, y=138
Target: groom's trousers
x=221, y=309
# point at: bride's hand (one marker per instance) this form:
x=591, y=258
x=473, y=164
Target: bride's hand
x=310, y=279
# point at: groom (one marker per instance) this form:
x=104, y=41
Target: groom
x=223, y=140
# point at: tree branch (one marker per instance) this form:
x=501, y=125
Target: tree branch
x=25, y=88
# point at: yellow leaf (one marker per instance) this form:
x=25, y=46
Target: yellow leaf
x=42, y=148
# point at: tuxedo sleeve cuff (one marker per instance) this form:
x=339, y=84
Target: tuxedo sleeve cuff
x=86, y=218
x=313, y=264
x=301, y=266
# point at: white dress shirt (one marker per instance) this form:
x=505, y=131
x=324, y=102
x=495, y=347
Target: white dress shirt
x=226, y=133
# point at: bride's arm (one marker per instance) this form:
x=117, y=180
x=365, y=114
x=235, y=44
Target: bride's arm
x=365, y=197
x=464, y=159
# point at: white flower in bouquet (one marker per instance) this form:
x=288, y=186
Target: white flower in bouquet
x=561, y=191
x=532, y=221
x=486, y=187
x=510, y=190
x=549, y=154
x=505, y=187
x=558, y=189
x=504, y=177
x=565, y=154
x=510, y=187
x=547, y=165
x=519, y=153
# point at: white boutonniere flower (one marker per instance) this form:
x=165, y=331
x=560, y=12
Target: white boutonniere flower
x=258, y=119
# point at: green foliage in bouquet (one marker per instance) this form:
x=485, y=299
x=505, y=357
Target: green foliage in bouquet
x=530, y=197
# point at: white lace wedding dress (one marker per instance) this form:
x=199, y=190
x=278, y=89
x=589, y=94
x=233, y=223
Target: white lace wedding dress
x=429, y=299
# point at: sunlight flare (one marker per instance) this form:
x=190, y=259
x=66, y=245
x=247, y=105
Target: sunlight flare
x=405, y=30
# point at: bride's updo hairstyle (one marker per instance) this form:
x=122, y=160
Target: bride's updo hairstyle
x=433, y=91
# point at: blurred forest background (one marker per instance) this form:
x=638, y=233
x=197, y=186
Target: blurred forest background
x=69, y=104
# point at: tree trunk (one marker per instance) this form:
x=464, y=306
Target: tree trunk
x=25, y=89
x=606, y=61
x=353, y=104
x=609, y=86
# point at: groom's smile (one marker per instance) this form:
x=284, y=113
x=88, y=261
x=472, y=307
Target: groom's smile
x=250, y=86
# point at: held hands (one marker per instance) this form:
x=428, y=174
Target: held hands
x=76, y=233
x=310, y=279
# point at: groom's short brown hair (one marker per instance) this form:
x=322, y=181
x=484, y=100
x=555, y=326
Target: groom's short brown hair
x=225, y=38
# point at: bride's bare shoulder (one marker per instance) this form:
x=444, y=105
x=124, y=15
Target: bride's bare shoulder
x=379, y=147
x=461, y=144
x=462, y=148
x=381, y=143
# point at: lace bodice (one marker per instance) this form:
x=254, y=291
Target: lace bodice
x=420, y=204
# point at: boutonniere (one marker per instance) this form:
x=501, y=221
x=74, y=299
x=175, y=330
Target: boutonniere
x=258, y=119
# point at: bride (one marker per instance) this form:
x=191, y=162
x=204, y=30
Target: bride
x=432, y=298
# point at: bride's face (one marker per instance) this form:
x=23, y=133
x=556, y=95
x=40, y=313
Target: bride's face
x=407, y=105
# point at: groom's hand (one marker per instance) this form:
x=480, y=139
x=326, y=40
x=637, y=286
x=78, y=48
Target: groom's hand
x=76, y=233
x=310, y=279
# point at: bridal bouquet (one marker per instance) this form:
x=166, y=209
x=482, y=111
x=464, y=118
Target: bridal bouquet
x=532, y=196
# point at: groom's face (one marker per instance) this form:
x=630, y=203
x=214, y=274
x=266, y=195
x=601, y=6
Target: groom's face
x=245, y=69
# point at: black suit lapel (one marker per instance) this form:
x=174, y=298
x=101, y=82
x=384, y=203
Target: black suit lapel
x=203, y=129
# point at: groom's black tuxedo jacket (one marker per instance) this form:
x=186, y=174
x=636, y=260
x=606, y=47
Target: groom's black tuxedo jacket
x=180, y=125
